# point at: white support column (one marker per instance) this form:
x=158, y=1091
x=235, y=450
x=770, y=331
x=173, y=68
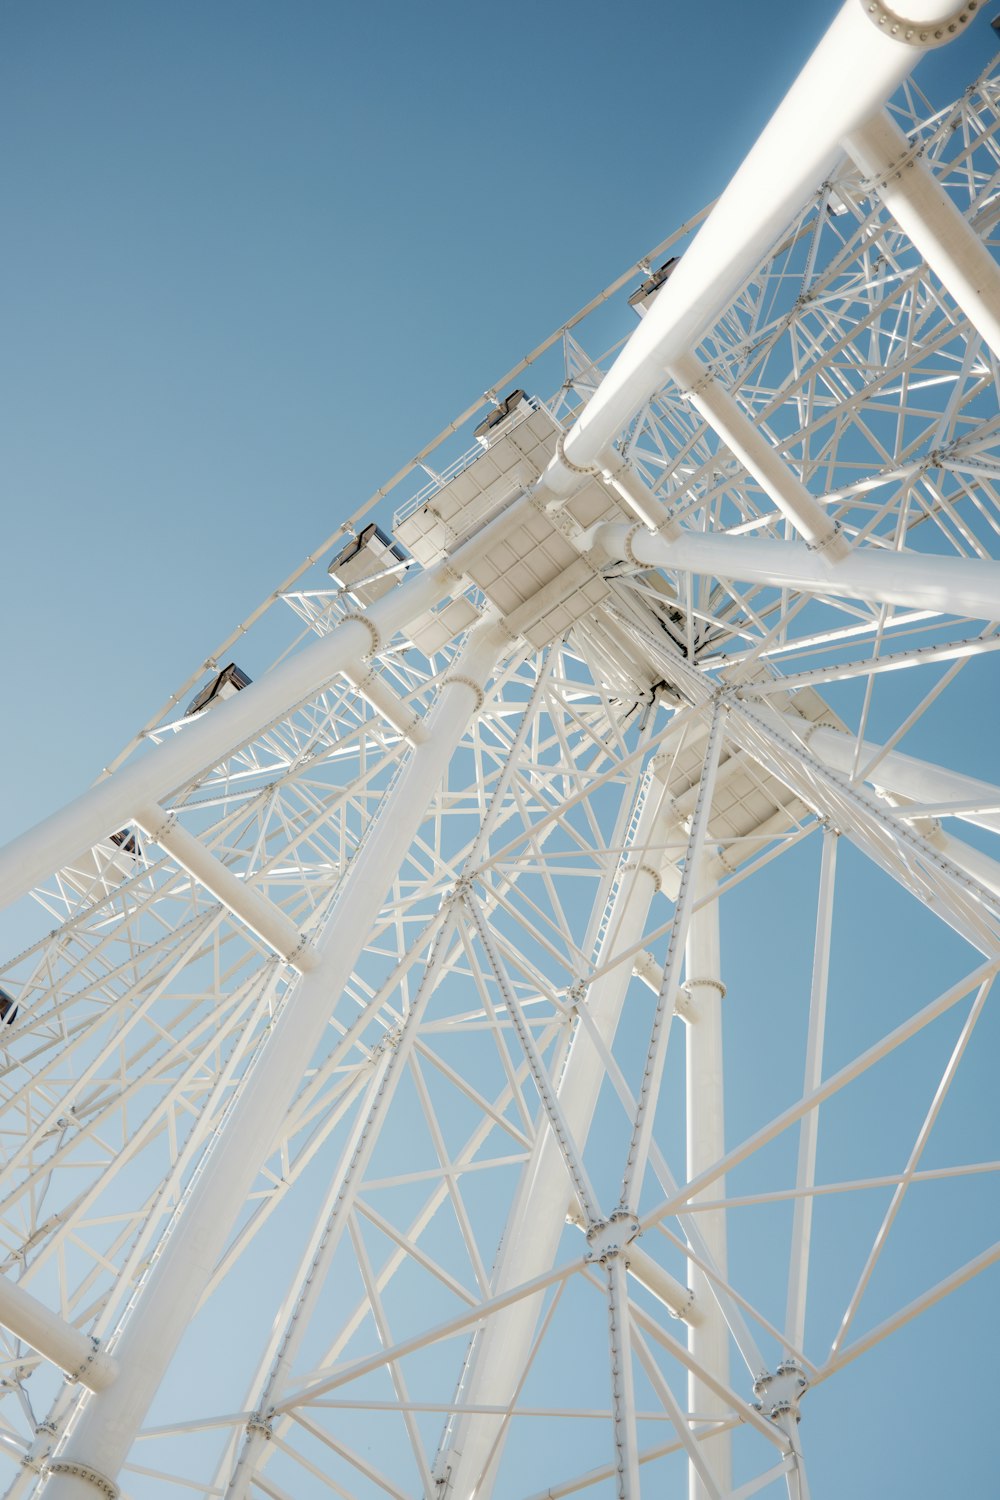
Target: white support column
x=74, y=1352
x=708, y=1339
x=951, y=585
x=622, y=1380
x=648, y=1095
x=260, y=915
x=101, y=1440
x=538, y=1212
x=650, y=509
x=798, y=1265
x=932, y=220
x=210, y=737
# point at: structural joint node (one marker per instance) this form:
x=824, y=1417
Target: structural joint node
x=610, y=1237
x=778, y=1395
x=260, y=1421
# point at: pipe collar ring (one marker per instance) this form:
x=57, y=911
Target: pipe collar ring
x=101, y=1482
x=715, y=984
x=568, y=463
x=633, y=532
x=693, y=388
x=468, y=682
x=370, y=627
x=86, y=1363
x=916, y=33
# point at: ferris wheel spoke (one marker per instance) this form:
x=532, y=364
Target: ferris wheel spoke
x=913, y=1160
x=912, y=1310
x=647, y=747
x=805, y=1176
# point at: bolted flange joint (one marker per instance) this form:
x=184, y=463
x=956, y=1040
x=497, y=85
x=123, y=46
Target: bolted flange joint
x=918, y=33
x=612, y=1236
x=259, y=1421
x=779, y=1394
x=74, y=1375
x=100, y=1482
x=387, y=1042
x=834, y=538
x=37, y=1457
x=576, y=996
x=462, y=890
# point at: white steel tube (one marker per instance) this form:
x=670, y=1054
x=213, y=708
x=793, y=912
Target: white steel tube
x=538, y=1213
x=74, y=1352
x=708, y=1338
x=650, y=509
x=260, y=915
x=677, y=1299
x=980, y=866
x=208, y=739
x=103, y=1436
x=680, y=1301
x=622, y=1380
x=652, y=1076
x=758, y=456
x=401, y=715
x=920, y=780
x=932, y=220
x=802, y=1214
x=851, y=74
x=951, y=585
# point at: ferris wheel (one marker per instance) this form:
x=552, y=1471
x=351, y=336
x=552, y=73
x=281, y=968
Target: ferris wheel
x=518, y=1022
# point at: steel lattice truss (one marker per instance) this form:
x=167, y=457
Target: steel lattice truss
x=424, y=1277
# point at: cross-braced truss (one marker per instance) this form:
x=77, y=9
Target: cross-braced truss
x=502, y=1241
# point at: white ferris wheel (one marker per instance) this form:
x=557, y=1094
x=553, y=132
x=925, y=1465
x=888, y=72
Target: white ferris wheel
x=534, y=1039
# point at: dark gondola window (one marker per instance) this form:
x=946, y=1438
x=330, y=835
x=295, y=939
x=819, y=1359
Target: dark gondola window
x=127, y=841
x=231, y=679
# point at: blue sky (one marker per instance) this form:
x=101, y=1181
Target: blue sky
x=256, y=255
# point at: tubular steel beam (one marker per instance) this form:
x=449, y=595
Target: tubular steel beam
x=860, y=61
x=950, y=585
x=74, y=1352
x=101, y=1440
x=209, y=738
x=919, y=780
x=932, y=221
x=758, y=456
x=538, y=1210
x=708, y=1339
x=260, y=915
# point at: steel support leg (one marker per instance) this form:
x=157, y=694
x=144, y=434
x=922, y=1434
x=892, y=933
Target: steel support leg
x=708, y=1339
x=538, y=1213
x=101, y=1440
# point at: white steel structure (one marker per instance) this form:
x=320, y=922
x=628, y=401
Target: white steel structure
x=471, y=1059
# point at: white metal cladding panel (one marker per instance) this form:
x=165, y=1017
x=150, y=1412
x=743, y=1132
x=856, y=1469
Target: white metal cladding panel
x=515, y=567
x=431, y=632
x=555, y=622
x=449, y=514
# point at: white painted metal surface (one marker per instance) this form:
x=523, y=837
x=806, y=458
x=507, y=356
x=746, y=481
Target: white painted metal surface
x=371, y=989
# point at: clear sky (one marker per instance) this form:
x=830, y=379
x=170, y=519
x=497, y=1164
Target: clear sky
x=256, y=255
